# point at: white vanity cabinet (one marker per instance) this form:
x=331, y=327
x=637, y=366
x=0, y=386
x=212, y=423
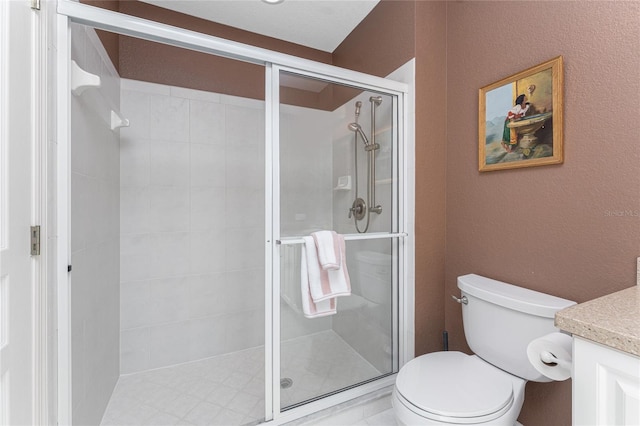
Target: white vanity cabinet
x=606, y=358
x=606, y=385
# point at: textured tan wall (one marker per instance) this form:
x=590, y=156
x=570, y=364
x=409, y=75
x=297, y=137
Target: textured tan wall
x=382, y=42
x=379, y=45
x=546, y=228
x=158, y=63
x=166, y=16
x=431, y=150
x=109, y=40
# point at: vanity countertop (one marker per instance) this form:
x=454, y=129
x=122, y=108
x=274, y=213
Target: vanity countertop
x=612, y=320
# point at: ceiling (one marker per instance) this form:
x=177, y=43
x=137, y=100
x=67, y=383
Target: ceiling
x=319, y=24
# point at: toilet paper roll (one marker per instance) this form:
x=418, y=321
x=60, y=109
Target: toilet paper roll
x=551, y=355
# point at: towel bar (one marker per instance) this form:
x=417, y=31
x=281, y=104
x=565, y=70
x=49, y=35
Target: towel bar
x=347, y=237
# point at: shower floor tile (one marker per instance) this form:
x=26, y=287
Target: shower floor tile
x=229, y=389
x=319, y=364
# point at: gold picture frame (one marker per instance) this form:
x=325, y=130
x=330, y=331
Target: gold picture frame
x=520, y=119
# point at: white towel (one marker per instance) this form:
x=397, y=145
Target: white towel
x=311, y=309
x=328, y=247
x=326, y=284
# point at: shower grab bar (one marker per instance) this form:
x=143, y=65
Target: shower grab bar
x=347, y=237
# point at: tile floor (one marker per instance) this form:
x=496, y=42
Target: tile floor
x=384, y=418
x=318, y=364
x=228, y=389
x=372, y=413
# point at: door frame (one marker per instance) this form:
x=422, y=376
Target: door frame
x=43, y=281
x=36, y=36
x=70, y=11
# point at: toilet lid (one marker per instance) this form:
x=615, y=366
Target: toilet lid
x=453, y=384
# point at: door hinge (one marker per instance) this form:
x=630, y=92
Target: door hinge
x=35, y=4
x=35, y=240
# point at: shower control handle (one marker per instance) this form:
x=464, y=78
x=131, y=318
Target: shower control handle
x=358, y=209
x=462, y=300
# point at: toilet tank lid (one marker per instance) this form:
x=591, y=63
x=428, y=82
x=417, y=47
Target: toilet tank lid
x=373, y=257
x=512, y=297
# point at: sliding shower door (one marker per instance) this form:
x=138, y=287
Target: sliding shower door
x=337, y=150
x=187, y=294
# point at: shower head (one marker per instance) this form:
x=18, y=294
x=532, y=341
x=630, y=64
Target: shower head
x=355, y=127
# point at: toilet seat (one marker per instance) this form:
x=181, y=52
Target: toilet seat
x=454, y=387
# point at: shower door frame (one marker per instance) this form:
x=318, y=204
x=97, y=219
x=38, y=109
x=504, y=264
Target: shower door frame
x=69, y=11
x=400, y=348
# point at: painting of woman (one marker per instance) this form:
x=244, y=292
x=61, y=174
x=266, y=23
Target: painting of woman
x=509, y=136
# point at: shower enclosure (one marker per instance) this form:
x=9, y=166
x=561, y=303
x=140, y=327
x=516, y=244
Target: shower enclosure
x=187, y=301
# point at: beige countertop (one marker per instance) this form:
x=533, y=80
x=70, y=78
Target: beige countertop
x=612, y=320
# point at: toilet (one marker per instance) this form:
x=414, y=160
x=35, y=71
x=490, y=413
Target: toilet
x=499, y=320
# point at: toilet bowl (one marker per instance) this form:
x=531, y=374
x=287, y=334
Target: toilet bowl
x=500, y=320
x=460, y=393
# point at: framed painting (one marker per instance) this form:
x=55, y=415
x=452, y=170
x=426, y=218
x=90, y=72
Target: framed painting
x=520, y=119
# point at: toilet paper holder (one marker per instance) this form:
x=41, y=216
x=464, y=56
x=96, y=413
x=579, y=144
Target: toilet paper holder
x=548, y=358
x=551, y=355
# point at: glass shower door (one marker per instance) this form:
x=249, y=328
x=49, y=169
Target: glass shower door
x=337, y=172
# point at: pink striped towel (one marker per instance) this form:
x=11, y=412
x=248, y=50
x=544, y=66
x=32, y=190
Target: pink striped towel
x=322, y=285
x=311, y=309
x=328, y=247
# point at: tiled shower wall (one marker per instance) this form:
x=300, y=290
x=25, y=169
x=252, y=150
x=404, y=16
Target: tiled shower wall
x=306, y=204
x=192, y=225
x=94, y=233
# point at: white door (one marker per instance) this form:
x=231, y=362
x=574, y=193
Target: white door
x=16, y=295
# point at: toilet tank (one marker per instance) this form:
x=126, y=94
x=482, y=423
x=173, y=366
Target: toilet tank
x=501, y=319
x=374, y=276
